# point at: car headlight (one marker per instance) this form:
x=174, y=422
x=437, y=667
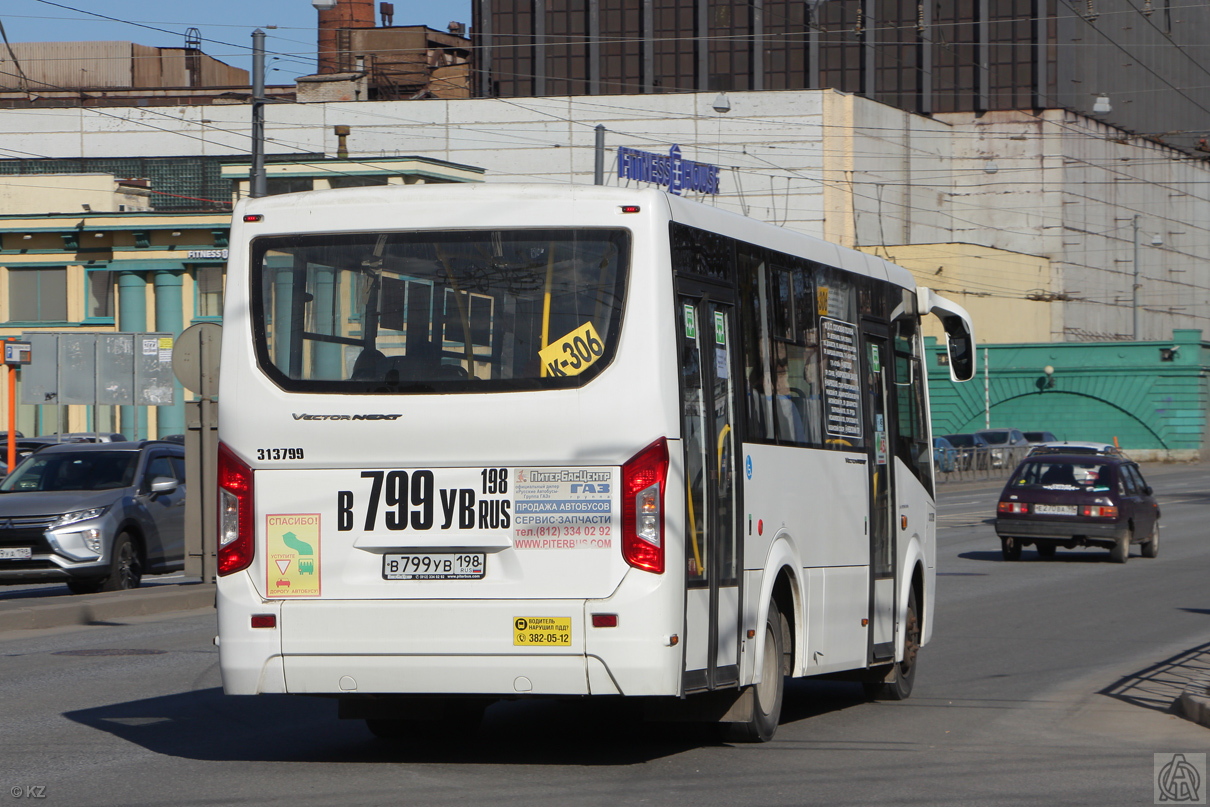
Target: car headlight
x=79, y=515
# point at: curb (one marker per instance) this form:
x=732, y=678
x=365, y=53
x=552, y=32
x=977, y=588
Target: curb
x=1194, y=703
x=94, y=608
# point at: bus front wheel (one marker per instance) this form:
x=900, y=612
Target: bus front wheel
x=767, y=695
x=901, y=677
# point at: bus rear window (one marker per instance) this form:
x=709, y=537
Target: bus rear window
x=454, y=311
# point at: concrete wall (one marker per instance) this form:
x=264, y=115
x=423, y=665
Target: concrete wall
x=1001, y=290
x=66, y=193
x=1053, y=185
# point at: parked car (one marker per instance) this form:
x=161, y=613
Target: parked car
x=1008, y=446
x=97, y=516
x=1040, y=437
x=1071, y=500
x=945, y=456
x=88, y=437
x=1077, y=447
x=972, y=451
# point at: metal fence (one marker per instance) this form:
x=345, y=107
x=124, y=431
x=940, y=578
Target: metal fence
x=975, y=464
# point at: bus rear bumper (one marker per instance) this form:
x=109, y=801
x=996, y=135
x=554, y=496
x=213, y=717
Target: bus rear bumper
x=439, y=647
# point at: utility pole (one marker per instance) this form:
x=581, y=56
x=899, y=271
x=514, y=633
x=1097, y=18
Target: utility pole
x=1134, y=286
x=598, y=173
x=258, y=186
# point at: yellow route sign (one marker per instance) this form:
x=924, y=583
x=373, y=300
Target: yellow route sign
x=573, y=353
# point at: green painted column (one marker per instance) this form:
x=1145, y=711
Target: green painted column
x=170, y=318
x=132, y=318
x=326, y=356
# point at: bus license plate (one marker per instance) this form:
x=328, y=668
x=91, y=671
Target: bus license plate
x=16, y=553
x=434, y=566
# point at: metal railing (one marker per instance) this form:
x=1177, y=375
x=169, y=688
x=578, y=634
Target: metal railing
x=975, y=464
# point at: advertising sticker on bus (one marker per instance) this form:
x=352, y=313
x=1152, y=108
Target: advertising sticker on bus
x=292, y=549
x=565, y=508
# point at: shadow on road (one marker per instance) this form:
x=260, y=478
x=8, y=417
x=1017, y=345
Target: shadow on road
x=1157, y=686
x=208, y=725
x=1031, y=556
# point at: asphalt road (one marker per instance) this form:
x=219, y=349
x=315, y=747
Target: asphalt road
x=1046, y=682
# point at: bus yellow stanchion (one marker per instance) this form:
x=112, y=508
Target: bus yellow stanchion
x=697, y=550
x=550, y=279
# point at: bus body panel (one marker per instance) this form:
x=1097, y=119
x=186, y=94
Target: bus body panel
x=917, y=544
x=250, y=657
x=776, y=484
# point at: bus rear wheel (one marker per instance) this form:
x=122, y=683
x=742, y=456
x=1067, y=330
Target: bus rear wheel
x=767, y=695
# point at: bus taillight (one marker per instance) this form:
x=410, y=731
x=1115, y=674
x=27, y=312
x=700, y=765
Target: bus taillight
x=235, y=530
x=643, y=477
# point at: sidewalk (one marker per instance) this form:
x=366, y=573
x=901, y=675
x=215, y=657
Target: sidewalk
x=35, y=613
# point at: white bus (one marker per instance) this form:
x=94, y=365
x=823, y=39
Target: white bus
x=496, y=441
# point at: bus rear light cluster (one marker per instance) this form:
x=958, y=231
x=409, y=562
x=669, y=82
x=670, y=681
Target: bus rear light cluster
x=643, y=477
x=236, y=545
x=1099, y=511
x=1012, y=507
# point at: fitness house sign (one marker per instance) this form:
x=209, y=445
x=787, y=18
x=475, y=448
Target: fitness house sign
x=669, y=170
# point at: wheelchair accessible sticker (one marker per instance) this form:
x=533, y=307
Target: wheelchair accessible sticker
x=292, y=548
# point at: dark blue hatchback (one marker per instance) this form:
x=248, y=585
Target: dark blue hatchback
x=1059, y=500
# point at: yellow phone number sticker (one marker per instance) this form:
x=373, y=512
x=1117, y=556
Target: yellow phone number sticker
x=573, y=353
x=543, y=631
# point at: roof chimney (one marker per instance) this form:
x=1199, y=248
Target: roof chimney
x=344, y=14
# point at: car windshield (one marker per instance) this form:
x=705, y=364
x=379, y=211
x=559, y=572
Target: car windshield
x=94, y=470
x=1090, y=475
x=995, y=438
x=961, y=439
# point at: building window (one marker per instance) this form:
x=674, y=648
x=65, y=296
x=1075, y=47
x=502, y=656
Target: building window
x=208, y=291
x=37, y=295
x=100, y=294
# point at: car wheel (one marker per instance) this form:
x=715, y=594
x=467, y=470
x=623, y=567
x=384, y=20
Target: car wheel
x=767, y=695
x=1121, y=549
x=1151, y=547
x=1010, y=548
x=86, y=585
x=1045, y=550
x=125, y=570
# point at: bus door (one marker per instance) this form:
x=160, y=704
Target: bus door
x=882, y=500
x=708, y=389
